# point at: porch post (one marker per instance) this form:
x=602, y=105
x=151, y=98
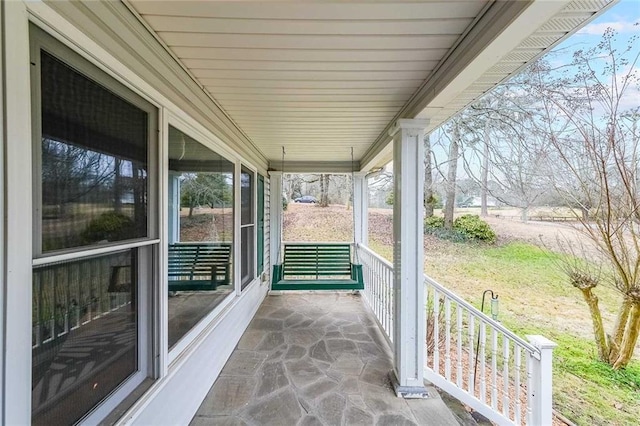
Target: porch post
x=408, y=258
x=275, y=217
x=361, y=208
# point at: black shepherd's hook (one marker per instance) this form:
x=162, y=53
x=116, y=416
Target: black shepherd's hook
x=494, y=315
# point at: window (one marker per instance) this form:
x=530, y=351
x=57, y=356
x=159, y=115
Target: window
x=260, y=244
x=201, y=253
x=84, y=333
x=247, y=227
x=93, y=170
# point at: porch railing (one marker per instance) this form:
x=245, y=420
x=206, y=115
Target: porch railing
x=70, y=295
x=378, y=288
x=468, y=354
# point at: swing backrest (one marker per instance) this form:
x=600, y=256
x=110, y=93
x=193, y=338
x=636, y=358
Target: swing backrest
x=317, y=259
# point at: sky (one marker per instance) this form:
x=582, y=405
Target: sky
x=623, y=17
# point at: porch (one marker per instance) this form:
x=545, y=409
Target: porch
x=312, y=359
x=158, y=93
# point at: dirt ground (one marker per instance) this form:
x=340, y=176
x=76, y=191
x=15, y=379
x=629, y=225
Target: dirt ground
x=559, y=237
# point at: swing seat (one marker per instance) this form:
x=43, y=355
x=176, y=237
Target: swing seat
x=317, y=266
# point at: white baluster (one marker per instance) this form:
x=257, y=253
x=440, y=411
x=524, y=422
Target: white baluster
x=447, y=339
x=427, y=296
x=459, y=341
x=483, y=376
x=518, y=390
x=436, y=331
x=472, y=341
x=494, y=369
x=505, y=376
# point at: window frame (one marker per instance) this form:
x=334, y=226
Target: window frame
x=260, y=198
x=173, y=354
x=41, y=40
x=245, y=168
x=147, y=248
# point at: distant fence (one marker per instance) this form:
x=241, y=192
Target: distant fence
x=538, y=218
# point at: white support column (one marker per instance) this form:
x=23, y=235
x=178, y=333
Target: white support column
x=408, y=258
x=542, y=381
x=173, y=215
x=361, y=209
x=275, y=217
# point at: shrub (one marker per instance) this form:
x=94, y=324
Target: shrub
x=109, y=226
x=433, y=222
x=474, y=228
x=465, y=228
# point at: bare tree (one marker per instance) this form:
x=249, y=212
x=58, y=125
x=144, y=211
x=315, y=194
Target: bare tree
x=454, y=151
x=429, y=199
x=596, y=144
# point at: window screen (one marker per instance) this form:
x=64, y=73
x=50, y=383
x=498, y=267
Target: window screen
x=94, y=175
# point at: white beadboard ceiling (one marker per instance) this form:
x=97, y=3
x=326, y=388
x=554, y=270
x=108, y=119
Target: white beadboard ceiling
x=320, y=77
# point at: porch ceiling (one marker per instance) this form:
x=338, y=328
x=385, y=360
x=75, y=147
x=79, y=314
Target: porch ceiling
x=321, y=77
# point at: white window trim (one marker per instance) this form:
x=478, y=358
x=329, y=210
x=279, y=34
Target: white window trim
x=3, y=242
x=16, y=389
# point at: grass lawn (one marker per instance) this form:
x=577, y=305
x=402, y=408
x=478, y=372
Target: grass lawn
x=535, y=299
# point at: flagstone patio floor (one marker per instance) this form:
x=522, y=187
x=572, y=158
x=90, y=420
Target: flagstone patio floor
x=314, y=359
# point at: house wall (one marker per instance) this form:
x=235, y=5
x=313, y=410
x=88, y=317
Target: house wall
x=109, y=36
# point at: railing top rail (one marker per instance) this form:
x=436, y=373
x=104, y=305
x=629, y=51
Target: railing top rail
x=375, y=255
x=475, y=311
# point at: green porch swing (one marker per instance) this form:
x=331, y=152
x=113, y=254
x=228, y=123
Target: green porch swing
x=318, y=266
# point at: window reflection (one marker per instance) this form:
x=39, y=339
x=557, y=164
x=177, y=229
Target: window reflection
x=247, y=227
x=93, y=160
x=201, y=252
x=84, y=334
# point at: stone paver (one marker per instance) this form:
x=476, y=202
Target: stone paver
x=313, y=359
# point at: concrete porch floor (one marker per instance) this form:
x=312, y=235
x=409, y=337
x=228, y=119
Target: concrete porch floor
x=313, y=359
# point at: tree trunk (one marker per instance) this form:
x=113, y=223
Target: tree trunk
x=117, y=187
x=618, y=330
x=190, y=211
x=428, y=179
x=484, y=212
x=630, y=338
x=324, y=189
x=524, y=214
x=598, y=328
x=585, y=213
x=451, y=177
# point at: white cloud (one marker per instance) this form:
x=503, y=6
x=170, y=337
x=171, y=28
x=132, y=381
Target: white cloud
x=620, y=26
